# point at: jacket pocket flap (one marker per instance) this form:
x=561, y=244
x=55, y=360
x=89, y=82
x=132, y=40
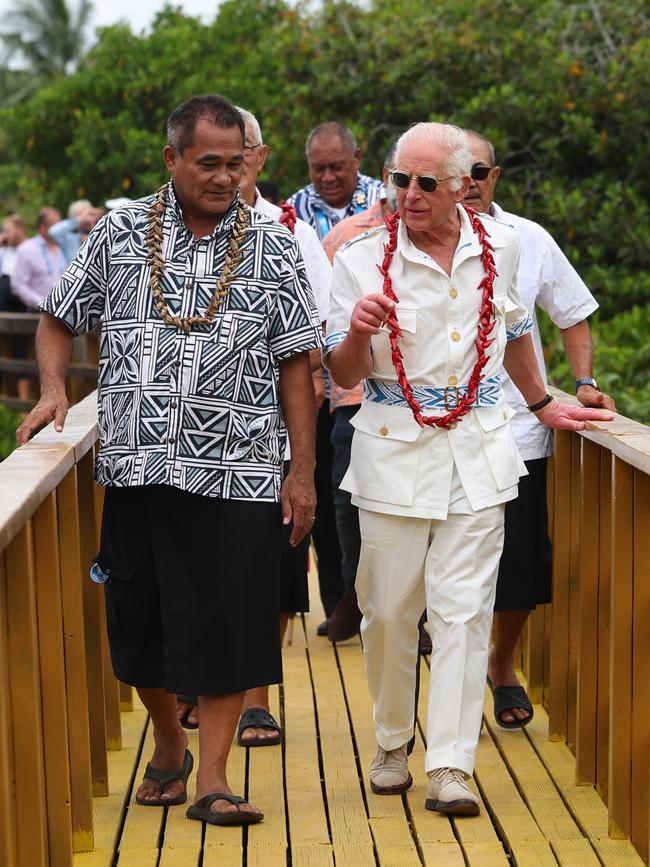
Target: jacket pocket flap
x=492, y=417
x=386, y=422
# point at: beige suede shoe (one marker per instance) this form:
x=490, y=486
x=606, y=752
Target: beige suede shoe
x=449, y=793
x=389, y=772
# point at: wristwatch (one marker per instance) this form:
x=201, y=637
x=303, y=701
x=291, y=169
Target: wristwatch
x=589, y=381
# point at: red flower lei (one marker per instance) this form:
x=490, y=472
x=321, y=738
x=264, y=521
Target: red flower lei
x=288, y=216
x=486, y=323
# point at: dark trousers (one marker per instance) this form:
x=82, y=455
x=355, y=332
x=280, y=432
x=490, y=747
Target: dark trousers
x=324, y=533
x=347, y=515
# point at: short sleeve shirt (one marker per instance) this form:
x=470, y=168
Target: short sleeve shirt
x=548, y=280
x=200, y=411
x=314, y=210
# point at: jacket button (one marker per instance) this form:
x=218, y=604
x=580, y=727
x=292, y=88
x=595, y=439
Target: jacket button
x=455, y=336
x=453, y=380
x=453, y=426
x=453, y=292
x=383, y=430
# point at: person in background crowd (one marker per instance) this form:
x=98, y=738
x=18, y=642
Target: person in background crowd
x=12, y=235
x=346, y=618
x=71, y=233
x=337, y=190
x=433, y=456
x=257, y=727
x=207, y=323
x=545, y=279
x=39, y=262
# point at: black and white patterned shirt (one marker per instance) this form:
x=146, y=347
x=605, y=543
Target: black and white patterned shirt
x=199, y=412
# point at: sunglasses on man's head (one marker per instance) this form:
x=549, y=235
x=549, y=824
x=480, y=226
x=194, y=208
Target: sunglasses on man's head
x=480, y=172
x=425, y=182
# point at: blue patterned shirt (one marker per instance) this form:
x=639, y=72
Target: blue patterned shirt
x=314, y=210
x=201, y=411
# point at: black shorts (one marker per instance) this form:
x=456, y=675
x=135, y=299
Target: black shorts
x=193, y=595
x=525, y=569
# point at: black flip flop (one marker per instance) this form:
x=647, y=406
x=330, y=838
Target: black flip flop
x=201, y=810
x=165, y=777
x=188, y=699
x=258, y=718
x=507, y=698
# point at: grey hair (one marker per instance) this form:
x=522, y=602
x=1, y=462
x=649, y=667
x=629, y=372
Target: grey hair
x=252, y=121
x=447, y=136
x=486, y=142
x=332, y=128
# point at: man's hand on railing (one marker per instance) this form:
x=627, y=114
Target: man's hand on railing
x=563, y=416
x=590, y=396
x=53, y=406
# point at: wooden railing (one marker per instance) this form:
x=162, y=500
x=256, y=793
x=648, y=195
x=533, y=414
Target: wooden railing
x=18, y=360
x=59, y=702
x=587, y=656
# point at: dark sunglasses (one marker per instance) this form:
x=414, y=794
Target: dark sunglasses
x=480, y=172
x=426, y=183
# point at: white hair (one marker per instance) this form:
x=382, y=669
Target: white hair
x=78, y=207
x=446, y=136
x=251, y=120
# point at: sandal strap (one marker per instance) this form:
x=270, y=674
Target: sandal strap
x=208, y=800
x=165, y=777
x=258, y=718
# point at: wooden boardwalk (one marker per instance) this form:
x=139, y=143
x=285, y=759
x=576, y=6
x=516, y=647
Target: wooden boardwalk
x=319, y=808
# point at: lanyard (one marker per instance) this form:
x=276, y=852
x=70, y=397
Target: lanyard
x=325, y=224
x=49, y=263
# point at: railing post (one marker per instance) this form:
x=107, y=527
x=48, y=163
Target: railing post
x=588, y=614
x=620, y=657
x=604, y=600
x=8, y=828
x=75, y=658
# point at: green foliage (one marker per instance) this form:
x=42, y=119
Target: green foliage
x=9, y=421
x=562, y=88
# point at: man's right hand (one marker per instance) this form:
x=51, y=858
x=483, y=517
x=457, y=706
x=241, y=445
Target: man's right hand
x=53, y=406
x=369, y=314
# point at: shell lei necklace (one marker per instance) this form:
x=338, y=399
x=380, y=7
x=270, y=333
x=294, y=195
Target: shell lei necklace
x=153, y=240
x=486, y=323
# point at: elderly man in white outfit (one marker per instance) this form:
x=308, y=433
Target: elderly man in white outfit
x=426, y=311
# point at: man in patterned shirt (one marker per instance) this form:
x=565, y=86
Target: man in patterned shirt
x=207, y=322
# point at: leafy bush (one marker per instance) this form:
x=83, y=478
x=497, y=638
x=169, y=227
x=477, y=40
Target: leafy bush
x=9, y=421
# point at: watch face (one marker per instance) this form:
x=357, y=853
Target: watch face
x=591, y=382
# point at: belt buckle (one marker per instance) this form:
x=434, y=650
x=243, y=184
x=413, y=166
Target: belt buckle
x=456, y=396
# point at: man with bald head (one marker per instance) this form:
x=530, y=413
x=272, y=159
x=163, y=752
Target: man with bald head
x=426, y=311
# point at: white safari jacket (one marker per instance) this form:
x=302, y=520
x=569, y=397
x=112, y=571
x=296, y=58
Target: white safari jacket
x=397, y=467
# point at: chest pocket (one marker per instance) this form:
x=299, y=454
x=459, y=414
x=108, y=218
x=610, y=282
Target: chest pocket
x=407, y=319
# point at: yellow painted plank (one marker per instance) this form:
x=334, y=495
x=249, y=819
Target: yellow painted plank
x=481, y=854
x=512, y=815
x=181, y=833
x=617, y=853
x=315, y=855
x=586, y=807
x=215, y=835
x=533, y=853
x=351, y=855
x=96, y=858
x=347, y=813
x=134, y=857
x=388, y=821
x=223, y=855
x=307, y=818
x=143, y=824
x=265, y=788
x=574, y=853
x=180, y=856
x=532, y=779
x=266, y=854
x=442, y=854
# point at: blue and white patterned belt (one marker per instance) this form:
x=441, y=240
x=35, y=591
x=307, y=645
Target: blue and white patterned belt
x=380, y=391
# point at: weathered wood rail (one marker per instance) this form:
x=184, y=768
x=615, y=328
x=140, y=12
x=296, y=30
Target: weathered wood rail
x=587, y=657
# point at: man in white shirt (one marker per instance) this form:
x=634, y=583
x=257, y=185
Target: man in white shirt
x=429, y=330
x=545, y=279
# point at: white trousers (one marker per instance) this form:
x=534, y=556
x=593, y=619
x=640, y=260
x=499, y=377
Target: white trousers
x=450, y=567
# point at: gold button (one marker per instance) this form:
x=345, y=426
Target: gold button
x=452, y=426
x=453, y=380
x=453, y=292
x=383, y=430
x=455, y=336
